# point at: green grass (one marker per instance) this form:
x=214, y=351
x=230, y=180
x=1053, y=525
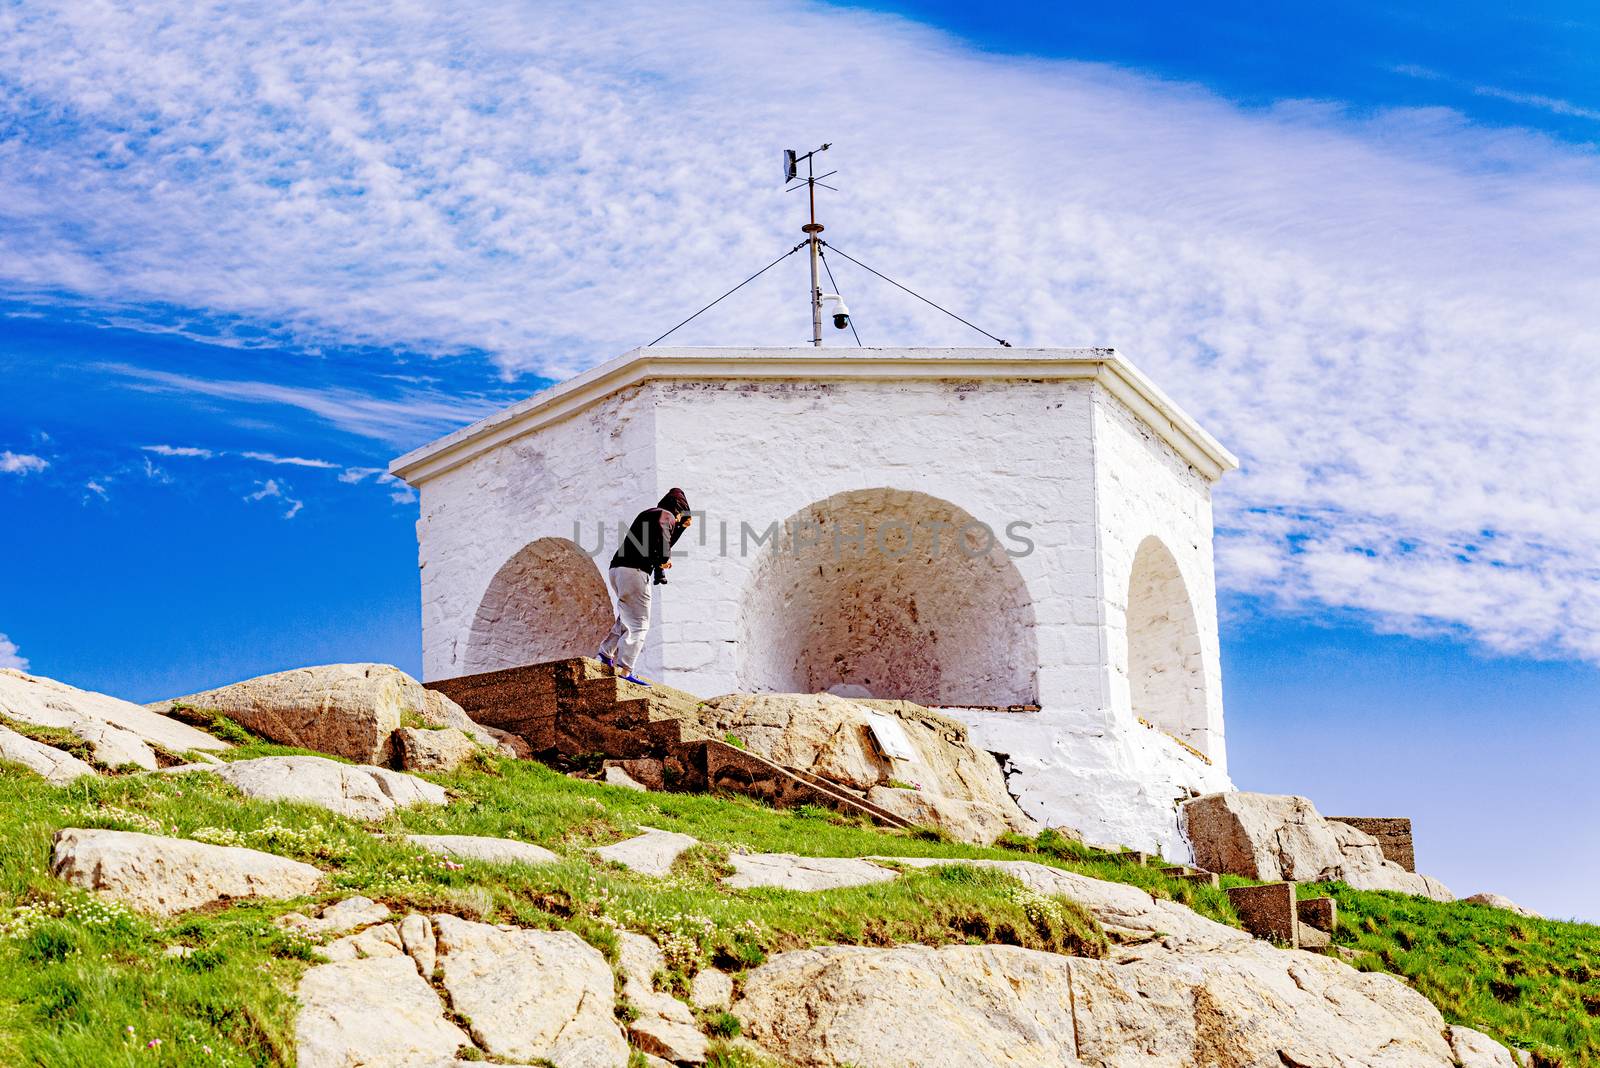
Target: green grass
x=79, y=974
x=1534, y=984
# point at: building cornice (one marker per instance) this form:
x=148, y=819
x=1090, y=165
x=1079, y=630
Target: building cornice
x=1104, y=366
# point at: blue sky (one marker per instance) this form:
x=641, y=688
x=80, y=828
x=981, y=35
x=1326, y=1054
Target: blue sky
x=1359, y=244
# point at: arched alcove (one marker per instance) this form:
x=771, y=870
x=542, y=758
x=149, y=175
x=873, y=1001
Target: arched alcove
x=1166, y=670
x=547, y=602
x=856, y=597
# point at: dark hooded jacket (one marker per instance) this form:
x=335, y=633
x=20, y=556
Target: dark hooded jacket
x=652, y=534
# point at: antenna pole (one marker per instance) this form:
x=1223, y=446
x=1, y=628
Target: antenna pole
x=811, y=230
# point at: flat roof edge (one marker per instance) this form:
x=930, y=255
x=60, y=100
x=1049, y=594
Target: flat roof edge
x=637, y=366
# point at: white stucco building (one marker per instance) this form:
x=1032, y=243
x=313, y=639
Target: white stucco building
x=1070, y=595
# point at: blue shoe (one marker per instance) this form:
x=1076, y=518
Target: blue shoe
x=604, y=659
x=631, y=677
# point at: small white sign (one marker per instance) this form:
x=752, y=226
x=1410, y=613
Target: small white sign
x=890, y=735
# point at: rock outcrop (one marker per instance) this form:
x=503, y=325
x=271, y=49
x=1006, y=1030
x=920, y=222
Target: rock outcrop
x=360, y=792
x=337, y=918
x=169, y=875
x=377, y=1012
x=662, y=1026
x=348, y=710
x=434, y=750
x=960, y=788
x=785, y=871
x=1244, y=1006
x=118, y=732
x=476, y=847
x=1498, y=901
x=1271, y=837
x=650, y=853
x=1474, y=1049
x=54, y=765
x=531, y=994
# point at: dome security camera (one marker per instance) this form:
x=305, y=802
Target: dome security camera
x=841, y=314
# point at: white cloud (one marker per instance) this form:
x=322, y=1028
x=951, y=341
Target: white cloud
x=97, y=488
x=292, y=461
x=408, y=418
x=1390, y=316
x=353, y=475
x=271, y=490
x=10, y=657
x=179, y=450
x=21, y=463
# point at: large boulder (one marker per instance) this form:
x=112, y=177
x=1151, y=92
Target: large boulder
x=360, y=792
x=1474, y=1049
x=531, y=994
x=377, y=1012
x=433, y=750
x=1245, y=1006
x=837, y=738
x=56, y=767
x=1271, y=837
x=1500, y=901
x=168, y=875
x=118, y=732
x=966, y=821
x=348, y=710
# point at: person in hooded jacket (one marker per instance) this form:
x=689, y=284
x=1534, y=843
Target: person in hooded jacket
x=641, y=561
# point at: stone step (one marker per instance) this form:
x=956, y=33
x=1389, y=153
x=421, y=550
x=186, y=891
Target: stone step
x=1204, y=878
x=1318, y=912
x=1268, y=911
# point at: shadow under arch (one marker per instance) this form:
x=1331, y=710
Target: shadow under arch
x=548, y=602
x=1166, y=668
x=855, y=597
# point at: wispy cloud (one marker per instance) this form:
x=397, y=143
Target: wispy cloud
x=405, y=418
x=353, y=475
x=1391, y=317
x=97, y=487
x=179, y=450
x=10, y=656
x=292, y=461
x=21, y=463
x=1552, y=104
x=272, y=490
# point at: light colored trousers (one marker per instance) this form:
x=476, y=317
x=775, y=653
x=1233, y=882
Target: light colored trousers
x=626, y=640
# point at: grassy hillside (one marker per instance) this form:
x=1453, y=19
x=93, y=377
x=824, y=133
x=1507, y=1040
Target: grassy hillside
x=92, y=984
x=1530, y=983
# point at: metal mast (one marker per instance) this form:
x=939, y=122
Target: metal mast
x=791, y=167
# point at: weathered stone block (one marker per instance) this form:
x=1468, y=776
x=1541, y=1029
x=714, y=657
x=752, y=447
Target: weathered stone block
x=1318, y=912
x=1268, y=911
x=1393, y=834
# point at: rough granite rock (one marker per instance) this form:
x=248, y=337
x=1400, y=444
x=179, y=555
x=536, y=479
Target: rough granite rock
x=1271, y=837
x=337, y=918
x=118, y=732
x=380, y=941
x=830, y=736
x=348, y=710
x=1246, y=1006
x=532, y=994
x=1474, y=1049
x=360, y=792
x=474, y=847
x=663, y=1025
x=615, y=775
x=786, y=871
x=1125, y=912
x=966, y=821
x=1497, y=901
x=711, y=988
x=51, y=763
x=650, y=853
x=416, y=935
x=376, y=1013
x=169, y=875
x=434, y=751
